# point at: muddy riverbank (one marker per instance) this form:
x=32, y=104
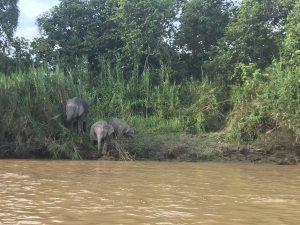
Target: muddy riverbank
x=178, y=147
x=212, y=147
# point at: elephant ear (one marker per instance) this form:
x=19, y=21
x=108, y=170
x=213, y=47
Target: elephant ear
x=110, y=130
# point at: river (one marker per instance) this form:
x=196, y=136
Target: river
x=109, y=192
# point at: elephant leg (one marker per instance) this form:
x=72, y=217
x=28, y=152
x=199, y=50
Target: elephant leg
x=99, y=148
x=104, y=150
x=79, y=126
x=74, y=125
x=84, y=126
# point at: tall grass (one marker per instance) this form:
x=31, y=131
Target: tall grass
x=32, y=106
x=135, y=96
x=204, y=106
x=266, y=101
x=32, y=110
x=152, y=101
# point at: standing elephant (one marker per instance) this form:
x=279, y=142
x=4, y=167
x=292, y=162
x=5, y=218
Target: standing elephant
x=122, y=129
x=77, y=111
x=100, y=132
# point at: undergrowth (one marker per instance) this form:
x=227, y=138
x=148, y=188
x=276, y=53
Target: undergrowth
x=33, y=104
x=265, y=101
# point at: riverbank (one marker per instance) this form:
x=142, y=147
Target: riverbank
x=212, y=147
x=188, y=121
x=180, y=147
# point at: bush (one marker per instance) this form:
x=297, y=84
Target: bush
x=32, y=111
x=265, y=101
x=203, y=106
x=33, y=104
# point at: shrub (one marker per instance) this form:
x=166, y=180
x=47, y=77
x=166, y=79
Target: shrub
x=265, y=101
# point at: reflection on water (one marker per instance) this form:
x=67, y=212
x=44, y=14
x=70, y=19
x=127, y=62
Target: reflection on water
x=100, y=192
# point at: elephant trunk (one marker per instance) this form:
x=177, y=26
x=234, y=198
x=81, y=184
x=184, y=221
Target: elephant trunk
x=99, y=139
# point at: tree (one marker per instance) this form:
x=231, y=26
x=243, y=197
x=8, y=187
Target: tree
x=138, y=30
x=22, y=53
x=64, y=29
x=202, y=24
x=19, y=59
x=77, y=29
x=9, y=14
x=7, y=64
x=44, y=52
x=146, y=25
x=291, y=44
x=254, y=36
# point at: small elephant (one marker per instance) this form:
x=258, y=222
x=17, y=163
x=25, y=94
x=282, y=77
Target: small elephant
x=77, y=111
x=100, y=132
x=122, y=128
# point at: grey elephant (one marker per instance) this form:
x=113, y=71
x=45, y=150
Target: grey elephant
x=101, y=131
x=122, y=129
x=77, y=111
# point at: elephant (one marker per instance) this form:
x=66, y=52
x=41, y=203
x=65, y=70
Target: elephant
x=77, y=111
x=101, y=132
x=122, y=129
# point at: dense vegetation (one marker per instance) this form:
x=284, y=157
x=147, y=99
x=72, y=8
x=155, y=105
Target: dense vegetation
x=165, y=66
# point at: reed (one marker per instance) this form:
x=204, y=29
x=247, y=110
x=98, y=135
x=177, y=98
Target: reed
x=32, y=106
x=32, y=110
x=123, y=154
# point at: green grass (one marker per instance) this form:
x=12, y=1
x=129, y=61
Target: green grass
x=32, y=110
x=266, y=101
x=33, y=103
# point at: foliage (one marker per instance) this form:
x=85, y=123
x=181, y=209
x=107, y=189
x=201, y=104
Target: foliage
x=77, y=30
x=69, y=146
x=159, y=101
x=19, y=59
x=254, y=36
x=32, y=111
x=33, y=106
x=145, y=24
x=9, y=14
x=7, y=64
x=202, y=24
x=89, y=30
x=291, y=44
x=203, y=106
x=266, y=101
x=22, y=54
x=165, y=66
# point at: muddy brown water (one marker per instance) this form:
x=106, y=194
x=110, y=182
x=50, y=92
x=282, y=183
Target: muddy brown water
x=106, y=192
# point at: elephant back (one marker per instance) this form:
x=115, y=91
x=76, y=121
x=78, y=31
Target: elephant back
x=121, y=128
